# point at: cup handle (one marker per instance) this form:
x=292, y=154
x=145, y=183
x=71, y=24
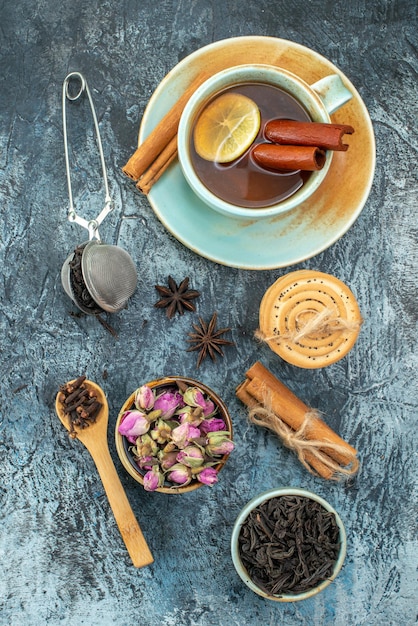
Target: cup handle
x=332, y=92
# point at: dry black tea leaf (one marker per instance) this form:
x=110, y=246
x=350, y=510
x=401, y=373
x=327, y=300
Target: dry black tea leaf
x=81, y=294
x=289, y=544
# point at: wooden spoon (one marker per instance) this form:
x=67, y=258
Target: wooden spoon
x=94, y=437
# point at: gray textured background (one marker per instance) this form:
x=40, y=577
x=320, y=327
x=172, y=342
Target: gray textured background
x=62, y=559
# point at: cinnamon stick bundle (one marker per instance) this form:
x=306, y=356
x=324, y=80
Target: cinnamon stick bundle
x=292, y=132
x=160, y=144
x=158, y=167
x=275, y=157
x=274, y=406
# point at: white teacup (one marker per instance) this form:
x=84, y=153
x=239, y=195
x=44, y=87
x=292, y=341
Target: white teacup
x=319, y=100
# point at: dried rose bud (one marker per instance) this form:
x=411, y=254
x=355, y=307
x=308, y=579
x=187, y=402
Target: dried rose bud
x=180, y=474
x=167, y=459
x=167, y=403
x=152, y=416
x=191, y=415
x=146, y=462
x=161, y=433
x=191, y=456
x=144, y=398
x=194, y=396
x=153, y=479
x=133, y=424
x=218, y=443
x=183, y=434
x=208, y=476
x=145, y=446
x=212, y=425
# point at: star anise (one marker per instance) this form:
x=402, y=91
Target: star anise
x=207, y=339
x=176, y=298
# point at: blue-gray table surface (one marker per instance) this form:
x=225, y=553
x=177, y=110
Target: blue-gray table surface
x=62, y=558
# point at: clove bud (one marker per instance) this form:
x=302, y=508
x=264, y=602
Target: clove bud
x=80, y=404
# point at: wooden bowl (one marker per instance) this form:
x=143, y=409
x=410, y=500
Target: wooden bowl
x=123, y=445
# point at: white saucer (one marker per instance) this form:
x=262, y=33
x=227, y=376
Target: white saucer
x=287, y=239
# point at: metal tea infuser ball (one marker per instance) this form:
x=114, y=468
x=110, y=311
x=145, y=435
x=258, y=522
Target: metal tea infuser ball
x=107, y=273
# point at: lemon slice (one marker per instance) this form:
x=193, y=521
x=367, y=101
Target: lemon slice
x=226, y=128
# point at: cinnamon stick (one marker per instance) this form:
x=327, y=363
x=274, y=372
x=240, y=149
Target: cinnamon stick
x=161, y=135
x=293, y=411
x=275, y=157
x=323, y=469
x=292, y=132
x=159, y=166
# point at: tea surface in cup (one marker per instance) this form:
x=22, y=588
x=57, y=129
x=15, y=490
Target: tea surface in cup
x=243, y=182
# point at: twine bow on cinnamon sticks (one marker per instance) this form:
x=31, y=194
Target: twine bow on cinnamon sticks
x=272, y=405
x=159, y=149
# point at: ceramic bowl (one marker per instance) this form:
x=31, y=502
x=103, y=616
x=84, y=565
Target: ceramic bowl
x=319, y=100
x=123, y=446
x=257, y=501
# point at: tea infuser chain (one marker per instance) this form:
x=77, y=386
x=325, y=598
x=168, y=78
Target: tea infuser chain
x=91, y=225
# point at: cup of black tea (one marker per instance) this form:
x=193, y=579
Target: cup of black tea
x=225, y=119
x=288, y=544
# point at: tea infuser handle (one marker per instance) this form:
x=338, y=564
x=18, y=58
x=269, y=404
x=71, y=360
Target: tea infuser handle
x=91, y=225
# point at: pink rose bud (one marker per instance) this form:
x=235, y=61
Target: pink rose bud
x=146, y=462
x=191, y=415
x=194, y=396
x=145, y=446
x=180, y=474
x=167, y=459
x=167, y=403
x=209, y=408
x=153, y=479
x=144, y=398
x=218, y=443
x=161, y=432
x=208, y=476
x=212, y=425
x=191, y=456
x=133, y=424
x=183, y=434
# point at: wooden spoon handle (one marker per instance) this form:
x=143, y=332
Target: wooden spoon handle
x=125, y=518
